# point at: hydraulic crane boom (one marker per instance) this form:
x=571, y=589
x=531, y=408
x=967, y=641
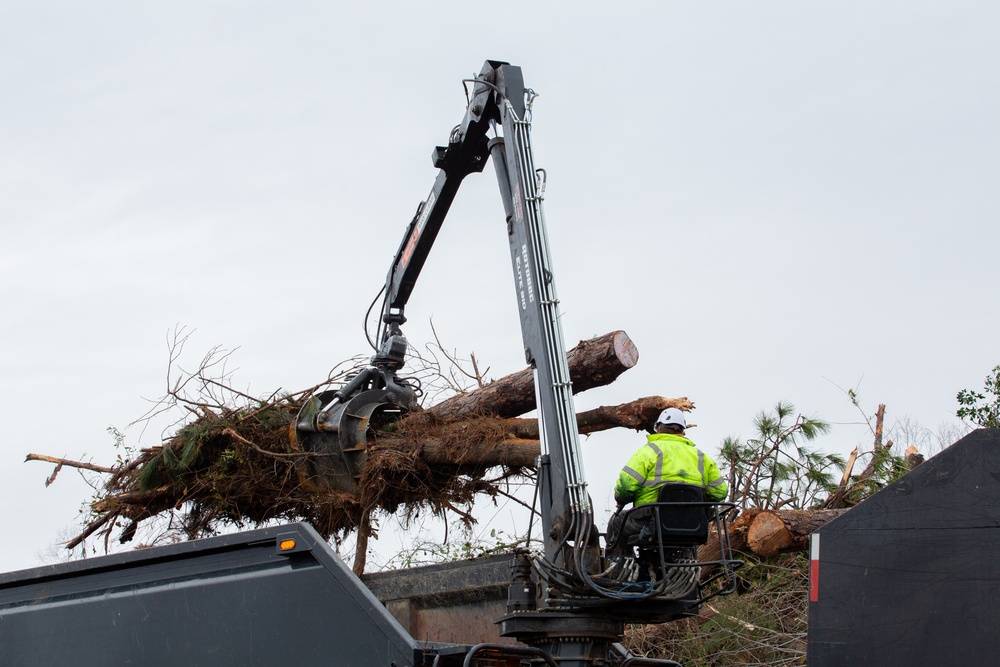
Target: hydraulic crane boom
x=499, y=104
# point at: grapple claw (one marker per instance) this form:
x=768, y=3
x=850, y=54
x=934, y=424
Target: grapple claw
x=338, y=437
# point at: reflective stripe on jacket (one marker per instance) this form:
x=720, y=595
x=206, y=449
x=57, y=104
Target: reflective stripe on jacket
x=667, y=458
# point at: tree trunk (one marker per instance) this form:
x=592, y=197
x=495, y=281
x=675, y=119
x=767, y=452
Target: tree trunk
x=487, y=442
x=712, y=550
x=783, y=531
x=638, y=414
x=767, y=533
x=514, y=453
x=592, y=363
x=361, y=547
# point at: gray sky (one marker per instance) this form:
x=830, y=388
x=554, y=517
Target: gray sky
x=776, y=200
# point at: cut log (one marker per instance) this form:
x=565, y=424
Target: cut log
x=637, y=415
x=592, y=363
x=784, y=531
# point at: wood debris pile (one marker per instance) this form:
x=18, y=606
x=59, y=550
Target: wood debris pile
x=234, y=465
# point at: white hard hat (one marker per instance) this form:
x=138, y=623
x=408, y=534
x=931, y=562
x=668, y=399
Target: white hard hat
x=672, y=416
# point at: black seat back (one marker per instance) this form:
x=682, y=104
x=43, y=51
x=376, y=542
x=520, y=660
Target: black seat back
x=685, y=523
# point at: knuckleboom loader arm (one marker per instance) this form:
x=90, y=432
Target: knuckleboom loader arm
x=334, y=423
x=499, y=103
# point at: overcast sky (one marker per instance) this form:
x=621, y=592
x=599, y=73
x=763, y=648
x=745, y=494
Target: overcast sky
x=776, y=200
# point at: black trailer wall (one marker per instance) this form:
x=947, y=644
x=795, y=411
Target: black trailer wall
x=912, y=576
x=233, y=601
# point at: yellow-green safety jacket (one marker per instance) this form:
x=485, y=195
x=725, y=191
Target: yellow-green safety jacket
x=667, y=457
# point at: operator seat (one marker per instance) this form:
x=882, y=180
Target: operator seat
x=680, y=519
x=667, y=547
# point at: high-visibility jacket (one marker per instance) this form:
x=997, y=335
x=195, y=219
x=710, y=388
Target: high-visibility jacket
x=665, y=458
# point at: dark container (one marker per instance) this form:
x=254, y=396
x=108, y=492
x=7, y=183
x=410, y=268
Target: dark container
x=911, y=576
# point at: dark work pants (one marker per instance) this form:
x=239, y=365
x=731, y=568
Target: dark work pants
x=624, y=525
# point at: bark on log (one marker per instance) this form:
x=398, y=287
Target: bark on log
x=361, y=547
x=638, y=414
x=784, y=531
x=592, y=363
x=513, y=452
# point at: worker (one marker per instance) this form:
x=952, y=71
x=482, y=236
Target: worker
x=667, y=457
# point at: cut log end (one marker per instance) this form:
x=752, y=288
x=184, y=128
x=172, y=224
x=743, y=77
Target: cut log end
x=592, y=363
x=768, y=535
x=784, y=531
x=625, y=350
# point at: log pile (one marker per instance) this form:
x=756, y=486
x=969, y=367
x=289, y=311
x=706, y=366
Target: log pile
x=233, y=465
